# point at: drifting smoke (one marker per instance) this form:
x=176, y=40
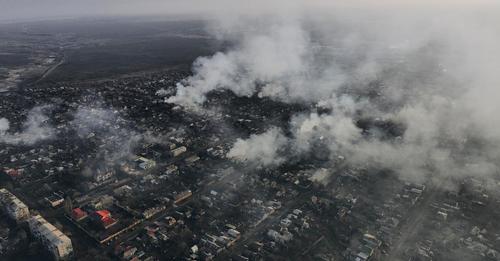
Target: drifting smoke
x=336, y=131
x=109, y=126
x=118, y=140
x=275, y=59
x=260, y=150
x=434, y=78
x=89, y=120
x=34, y=129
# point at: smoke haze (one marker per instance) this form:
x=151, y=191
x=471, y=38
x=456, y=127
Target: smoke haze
x=106, y=124
x=34, y=9
x=431, y=72
x=260, y=150
x=34, y=129
x=427, y=67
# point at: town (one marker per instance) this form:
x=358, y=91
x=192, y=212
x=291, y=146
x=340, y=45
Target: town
x=100, y=159
x=162, y=188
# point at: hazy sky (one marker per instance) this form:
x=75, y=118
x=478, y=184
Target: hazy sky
x=32, y=9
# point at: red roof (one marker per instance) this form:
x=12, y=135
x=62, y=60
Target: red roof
x=108, y=221
x=103, y=214
x=78, y=213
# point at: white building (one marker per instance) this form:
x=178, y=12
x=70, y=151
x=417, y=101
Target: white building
x=145, y=163
x=54, y=200
x=52, y=238
x=13, y=207
x=178, y=151
x=103, y=175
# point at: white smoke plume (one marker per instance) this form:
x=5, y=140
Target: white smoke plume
x=260, y=150
x=429, y=70
x=275, y=61
x=34, y=129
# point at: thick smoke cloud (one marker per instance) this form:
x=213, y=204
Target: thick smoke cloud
x=275, y=61
x=260, y=150
x=34, y=129
x=429, y=72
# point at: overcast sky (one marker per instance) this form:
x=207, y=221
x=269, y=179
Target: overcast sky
x=34, y=9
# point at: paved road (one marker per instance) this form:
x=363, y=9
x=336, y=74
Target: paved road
x=254, y=234
x=51, y=69
x=413, y=225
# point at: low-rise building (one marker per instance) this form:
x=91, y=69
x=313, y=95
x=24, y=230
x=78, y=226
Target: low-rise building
x=102, y=175
x=144, y=163
x=103, y=218
x=171, y=169
x=192, y=159
x=57, y=243
x=182, y=196
x=178, y=151
x=78, y=214
x=54, y=200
